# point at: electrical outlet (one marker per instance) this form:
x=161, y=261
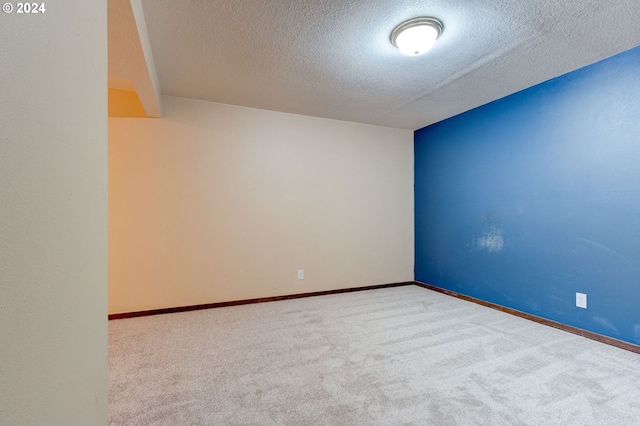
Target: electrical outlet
x=581, y=300
x=301, y=274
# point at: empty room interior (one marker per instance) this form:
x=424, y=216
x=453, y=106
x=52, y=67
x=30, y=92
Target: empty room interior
x=337, y=212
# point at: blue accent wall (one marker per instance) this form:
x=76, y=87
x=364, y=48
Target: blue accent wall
x=529, y=199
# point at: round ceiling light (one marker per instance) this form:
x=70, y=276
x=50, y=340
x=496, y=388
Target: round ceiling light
x=417, y=35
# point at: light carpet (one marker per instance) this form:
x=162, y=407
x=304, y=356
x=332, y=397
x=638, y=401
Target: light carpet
x=395, y=356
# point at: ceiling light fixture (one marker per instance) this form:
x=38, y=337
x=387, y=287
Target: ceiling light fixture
x=417, y=35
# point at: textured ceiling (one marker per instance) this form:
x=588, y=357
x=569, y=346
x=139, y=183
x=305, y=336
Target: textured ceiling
x=333, y=58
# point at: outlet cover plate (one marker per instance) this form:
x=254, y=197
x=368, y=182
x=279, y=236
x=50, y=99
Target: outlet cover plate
x=581, y=300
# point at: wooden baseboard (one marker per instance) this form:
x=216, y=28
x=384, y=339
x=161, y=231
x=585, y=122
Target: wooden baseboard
x=571, y=329
x=249, y=301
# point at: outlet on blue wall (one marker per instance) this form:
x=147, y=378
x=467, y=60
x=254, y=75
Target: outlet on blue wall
x=529, y=199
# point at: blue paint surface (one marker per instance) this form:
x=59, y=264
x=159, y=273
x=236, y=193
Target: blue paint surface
x=529, y=199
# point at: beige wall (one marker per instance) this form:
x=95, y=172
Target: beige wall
x=53, y=215
x=216, y=203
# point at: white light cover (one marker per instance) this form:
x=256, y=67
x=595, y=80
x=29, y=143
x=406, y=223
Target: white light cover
x=416, y=40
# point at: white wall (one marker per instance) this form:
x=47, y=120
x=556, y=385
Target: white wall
x=53, y=215
x=215, y=203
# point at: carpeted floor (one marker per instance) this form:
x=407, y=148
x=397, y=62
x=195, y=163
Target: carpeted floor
x=396, y=356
